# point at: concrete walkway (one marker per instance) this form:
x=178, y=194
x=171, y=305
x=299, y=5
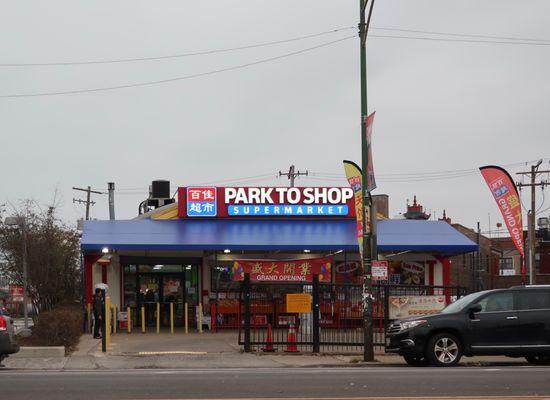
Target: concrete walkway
x=198, y=351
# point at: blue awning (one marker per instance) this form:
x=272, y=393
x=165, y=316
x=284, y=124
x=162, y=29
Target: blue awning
x=285, y=235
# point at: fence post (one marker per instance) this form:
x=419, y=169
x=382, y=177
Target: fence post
x=186, y=313
x=115, y=319
x=386, y=308
x=129, y=319
x=107, y=332
x=171, y=318
x=246, y=304
x=158, y=317
x=315, y=310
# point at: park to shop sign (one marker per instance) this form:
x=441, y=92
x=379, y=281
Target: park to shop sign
x=227, y=202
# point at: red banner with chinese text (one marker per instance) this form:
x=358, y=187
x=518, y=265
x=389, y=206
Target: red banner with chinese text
x=283, y=271
x=506, y=195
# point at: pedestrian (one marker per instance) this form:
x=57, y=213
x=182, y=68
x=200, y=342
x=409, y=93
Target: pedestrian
x=97, y=305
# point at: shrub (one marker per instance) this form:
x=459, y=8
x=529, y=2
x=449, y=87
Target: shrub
x=61, y=326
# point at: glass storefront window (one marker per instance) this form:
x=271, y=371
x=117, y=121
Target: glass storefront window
x=222, y=277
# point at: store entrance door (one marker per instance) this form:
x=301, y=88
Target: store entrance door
x=172, y=292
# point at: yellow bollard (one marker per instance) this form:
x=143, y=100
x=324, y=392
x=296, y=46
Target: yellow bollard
x=115, y=319
x=171, y=318
x=200, y=317
x=186, y=321
x=158, y=317
x=142, y=319
x=107, y=332
x=89, y=316
x=128, y=320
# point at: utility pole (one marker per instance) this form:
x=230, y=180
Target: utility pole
x=88, y=200
x=292, y=175
x=111, y=189
x=532, y=215
x=364, y=22
x=479, y=280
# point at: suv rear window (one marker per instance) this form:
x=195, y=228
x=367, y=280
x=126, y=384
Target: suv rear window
x=533, y=300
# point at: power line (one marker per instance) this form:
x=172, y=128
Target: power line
x=172, y=56
x=179, y=78
x=460, y=40
x=462, y=35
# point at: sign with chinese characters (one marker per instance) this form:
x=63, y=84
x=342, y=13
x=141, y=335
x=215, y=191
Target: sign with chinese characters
x=201, y=202
x=246, y=202
x=283, y=271
x=379, y=270
x=298, y=303
x=412, y=306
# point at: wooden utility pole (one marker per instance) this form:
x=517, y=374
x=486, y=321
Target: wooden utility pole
x=292, y=175
x=88, y=200
x=532, y=215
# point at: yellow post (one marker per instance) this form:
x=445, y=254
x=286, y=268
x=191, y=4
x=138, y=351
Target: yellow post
x=107, y=332
x=115, y=319
x=186, y=320
x=171, y=318
x=89, y=316
x=200, y=317
x=142, y=319
x=128, y=320
x=158, y=317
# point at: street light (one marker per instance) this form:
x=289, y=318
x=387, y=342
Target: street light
x=22, y=222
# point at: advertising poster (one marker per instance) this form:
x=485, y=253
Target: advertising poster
x=407, y=272
x=348, y=272
x=413, y=306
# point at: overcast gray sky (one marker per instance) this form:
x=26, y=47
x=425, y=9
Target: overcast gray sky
x=440, y=105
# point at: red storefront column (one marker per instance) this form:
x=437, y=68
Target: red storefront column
x=446, y=262
x=431, y=266
x=89, y=261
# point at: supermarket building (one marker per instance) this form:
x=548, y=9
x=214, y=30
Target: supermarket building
x=192, y=252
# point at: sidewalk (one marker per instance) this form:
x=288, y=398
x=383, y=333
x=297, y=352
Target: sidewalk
x=203, y=351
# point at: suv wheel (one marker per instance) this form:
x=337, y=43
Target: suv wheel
x=538, y=359
x=416, y=361
x=444, y=350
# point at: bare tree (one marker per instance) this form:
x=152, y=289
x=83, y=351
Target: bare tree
x=53, y=256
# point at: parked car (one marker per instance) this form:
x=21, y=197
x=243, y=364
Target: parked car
x=512, y=322
x=8, y=340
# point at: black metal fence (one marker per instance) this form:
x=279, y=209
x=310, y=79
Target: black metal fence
x=335, y=323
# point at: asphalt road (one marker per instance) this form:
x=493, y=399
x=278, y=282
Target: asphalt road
x=278, y=383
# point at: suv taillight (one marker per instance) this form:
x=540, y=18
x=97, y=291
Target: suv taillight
x=3, y=324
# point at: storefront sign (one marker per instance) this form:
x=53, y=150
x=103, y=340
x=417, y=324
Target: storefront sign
x=265, y=202
x=298, y=303
x=379, y=270
x=412, y=306
x=16, y=293
x=283, y=271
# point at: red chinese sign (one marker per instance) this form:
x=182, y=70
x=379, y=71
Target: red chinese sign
x=506, y=195
x=283, y=271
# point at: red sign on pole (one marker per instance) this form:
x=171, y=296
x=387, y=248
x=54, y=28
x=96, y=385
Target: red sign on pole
x=283, y=271
x=506, y=195
x=16, y=293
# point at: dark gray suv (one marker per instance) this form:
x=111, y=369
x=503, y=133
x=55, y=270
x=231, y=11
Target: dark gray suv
x=512, y=322
x=8, y=340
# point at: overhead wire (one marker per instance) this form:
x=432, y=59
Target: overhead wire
x=180, y=78
x=180, y=55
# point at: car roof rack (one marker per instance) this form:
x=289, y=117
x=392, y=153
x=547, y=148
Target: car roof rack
x=529, y=286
